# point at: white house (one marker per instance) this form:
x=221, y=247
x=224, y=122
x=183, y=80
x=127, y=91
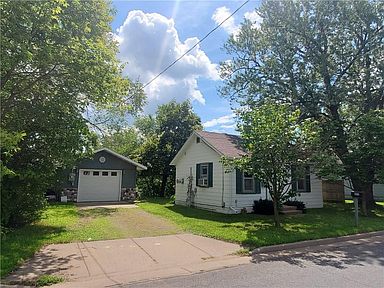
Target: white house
x=220, y=190
x=378, y=191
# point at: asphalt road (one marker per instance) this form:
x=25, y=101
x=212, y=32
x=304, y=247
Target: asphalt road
x=358, y=263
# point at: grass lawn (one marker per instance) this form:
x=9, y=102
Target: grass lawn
x=67, y=223
x=254, y=231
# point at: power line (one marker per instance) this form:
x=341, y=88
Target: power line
x=197, y=43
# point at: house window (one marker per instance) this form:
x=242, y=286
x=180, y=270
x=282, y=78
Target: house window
x=204, y=175
x=86, y=173
x=248, y=183
x=198, y=140
x=104, y=173
x=95, y=173
x=113, y=173
x=303, y=184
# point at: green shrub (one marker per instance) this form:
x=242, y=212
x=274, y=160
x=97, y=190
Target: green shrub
x=22, y=200
x=263, y=207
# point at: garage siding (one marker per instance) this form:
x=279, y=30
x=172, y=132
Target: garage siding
x=112, y=163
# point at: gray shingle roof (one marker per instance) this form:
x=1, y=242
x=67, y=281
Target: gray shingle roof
x=226, y=144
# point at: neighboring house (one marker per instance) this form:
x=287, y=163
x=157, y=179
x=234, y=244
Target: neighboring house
x=215, y=188
x=108, y=176
x=378, y=191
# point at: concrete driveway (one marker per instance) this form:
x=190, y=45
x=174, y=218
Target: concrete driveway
x=123, y=261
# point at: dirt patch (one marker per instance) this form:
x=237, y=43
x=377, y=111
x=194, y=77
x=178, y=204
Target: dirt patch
x=138, y=223
x=97, y=212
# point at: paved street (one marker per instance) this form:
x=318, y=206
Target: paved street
x=358, y=263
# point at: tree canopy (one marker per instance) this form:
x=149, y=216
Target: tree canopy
x=171, y=126
x=326, y=58
x=58, y=63
x=276, y=140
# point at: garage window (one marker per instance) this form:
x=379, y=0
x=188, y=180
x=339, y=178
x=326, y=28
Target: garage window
x=104, y=173
x=86, y=173
x=96, y=173
x=113, y=173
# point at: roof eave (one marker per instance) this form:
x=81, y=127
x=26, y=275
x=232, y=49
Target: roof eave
x=139, y=166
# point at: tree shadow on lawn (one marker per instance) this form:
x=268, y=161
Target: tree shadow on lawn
x=50, y=260
x=196, y=213
x=258, y=230
x=21, y=244
x=371, y=251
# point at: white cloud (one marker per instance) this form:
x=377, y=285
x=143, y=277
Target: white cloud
x=254, y=17
x=231, y=126
x=149, y=42
x=227, y=119
x=229, y=26
x=220, y=15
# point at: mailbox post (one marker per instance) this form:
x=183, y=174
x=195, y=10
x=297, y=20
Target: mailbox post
x=356, y=195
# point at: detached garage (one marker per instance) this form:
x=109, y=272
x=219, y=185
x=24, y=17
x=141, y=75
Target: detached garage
x=108, y=176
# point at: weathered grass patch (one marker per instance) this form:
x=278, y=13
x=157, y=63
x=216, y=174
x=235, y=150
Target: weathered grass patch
x=47, y=280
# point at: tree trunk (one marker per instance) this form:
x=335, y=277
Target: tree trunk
x=164, y=180
x=276, y=212
x=367, y=200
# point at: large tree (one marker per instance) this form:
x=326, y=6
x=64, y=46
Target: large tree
x=171, y=126
x=58, y=64
x=275, y=139
x=327, y=58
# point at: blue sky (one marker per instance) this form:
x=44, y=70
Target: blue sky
x=152, y=34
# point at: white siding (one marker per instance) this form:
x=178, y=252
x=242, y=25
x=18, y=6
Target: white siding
x=378, y=191
x=313, y=199
x=245, y=200
x=211, y=198
x=222, y=196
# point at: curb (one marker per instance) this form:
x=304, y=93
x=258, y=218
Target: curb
x=14, y=286
x=317, y=242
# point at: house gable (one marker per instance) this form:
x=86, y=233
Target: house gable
x=191, y=141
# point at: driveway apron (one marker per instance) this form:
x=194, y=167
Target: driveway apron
x=115, y=262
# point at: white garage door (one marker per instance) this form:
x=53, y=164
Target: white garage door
x=99, y=185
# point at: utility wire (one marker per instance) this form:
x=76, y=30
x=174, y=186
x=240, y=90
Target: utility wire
x=197, y=43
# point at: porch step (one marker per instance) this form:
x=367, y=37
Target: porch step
x=286, y=208
x=290, y=210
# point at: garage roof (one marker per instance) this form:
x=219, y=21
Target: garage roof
x=138, y=165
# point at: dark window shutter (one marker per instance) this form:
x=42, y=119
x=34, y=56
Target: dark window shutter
x=239, y=181
x=210, y=174
x=294, y=185
x=257, y=186
x=197, y=173
x=308, y=179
